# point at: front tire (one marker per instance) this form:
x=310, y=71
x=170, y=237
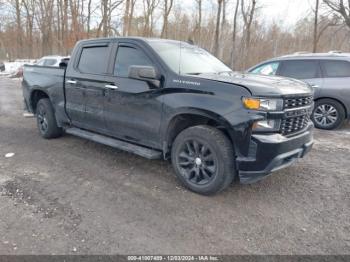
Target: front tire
x=203, y=159
x=46, y=120
x=328, y=114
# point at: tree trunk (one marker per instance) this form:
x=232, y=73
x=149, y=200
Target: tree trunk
x=167, y=9
x=126, y=18
x=217, y=28
x=314, y=48
x=234, y=34
x=199, y=21
x=223, y=20
x=248, y=16
x=19, y=29
x=131, y=16
x=88, y=20
x=65, y=26
x=29, y=21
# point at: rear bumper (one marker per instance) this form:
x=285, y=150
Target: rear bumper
x=272, y=152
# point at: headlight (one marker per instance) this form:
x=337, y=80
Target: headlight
x=264, y=104
x=267, y=125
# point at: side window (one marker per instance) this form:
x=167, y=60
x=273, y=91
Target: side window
x=300, y=69
x=40, y=62
x=49, y=62
x=129, y=56
x=336, y=68
x=94, y=60
x=266, y=69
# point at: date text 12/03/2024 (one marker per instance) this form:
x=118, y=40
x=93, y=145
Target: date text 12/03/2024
x=173, y=258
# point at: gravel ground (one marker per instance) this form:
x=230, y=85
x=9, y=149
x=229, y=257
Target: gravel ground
x=72, y=196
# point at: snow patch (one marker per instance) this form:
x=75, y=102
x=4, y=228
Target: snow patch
x=12, y=67
x=8, y=155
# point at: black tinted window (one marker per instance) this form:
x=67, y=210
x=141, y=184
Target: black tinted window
x=336, y=68
x=129, y=56
x=300, y=69
x=94, y=60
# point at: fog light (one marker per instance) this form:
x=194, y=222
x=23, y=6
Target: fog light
x=266, y=125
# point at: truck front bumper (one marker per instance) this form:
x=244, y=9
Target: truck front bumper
x=271, y=152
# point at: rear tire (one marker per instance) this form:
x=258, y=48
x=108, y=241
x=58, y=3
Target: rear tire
x=46, y=120
x=328, y=114
x=203, y=159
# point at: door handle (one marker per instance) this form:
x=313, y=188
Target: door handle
x=73, y=82
x=111, y=87
x=314, y=85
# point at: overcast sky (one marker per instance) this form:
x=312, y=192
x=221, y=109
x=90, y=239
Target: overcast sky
x=285, y=11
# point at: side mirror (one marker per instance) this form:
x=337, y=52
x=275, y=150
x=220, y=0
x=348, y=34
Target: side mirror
x=145, y=73
x=63, y=64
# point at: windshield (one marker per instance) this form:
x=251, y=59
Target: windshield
x=187, y=59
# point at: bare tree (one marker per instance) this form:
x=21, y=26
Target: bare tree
x=223, y=20
x=341, y=8
x=19, y=39
x=107, y=8
x=248, y=16
x=29, y=6
x=126, y=17
x=131, y=15
x=234, y=35
x=54, y=26
x=168, y=5
x=44, y=19
x=64, y=23
x=314, y=48
x=88, y=19
x=149, y=6
x=74, y=9
x=217, y=28
x=198, y=28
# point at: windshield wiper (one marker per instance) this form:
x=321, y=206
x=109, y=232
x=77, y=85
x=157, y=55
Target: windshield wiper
x=195, y=73
x=224, y=72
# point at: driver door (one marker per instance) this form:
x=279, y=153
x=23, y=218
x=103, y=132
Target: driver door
x=132, y=108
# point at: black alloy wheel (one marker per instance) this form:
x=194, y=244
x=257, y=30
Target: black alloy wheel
x=197, y=162
x=203, y=159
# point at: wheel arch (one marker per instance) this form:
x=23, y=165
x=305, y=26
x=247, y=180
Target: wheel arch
x=35, y=96
x=192, y=117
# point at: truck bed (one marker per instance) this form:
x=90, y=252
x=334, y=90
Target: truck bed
x=48, y=80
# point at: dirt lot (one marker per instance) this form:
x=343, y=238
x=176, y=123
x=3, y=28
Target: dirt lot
x=72, y=196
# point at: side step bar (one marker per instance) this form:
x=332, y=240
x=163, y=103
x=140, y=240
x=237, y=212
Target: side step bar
x=138, y=150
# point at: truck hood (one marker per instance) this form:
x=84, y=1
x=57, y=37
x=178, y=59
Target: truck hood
x=260, y=85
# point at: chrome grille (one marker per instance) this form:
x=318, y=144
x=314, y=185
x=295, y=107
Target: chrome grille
x=294, y=124
x=295, y=102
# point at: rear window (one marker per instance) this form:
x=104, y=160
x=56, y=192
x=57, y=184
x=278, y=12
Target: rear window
x=94, y=60
x=333, y=68
x=300, y=69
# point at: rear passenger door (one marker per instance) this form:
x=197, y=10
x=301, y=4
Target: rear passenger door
x=85, y=86
x=336, y=78
x=308, y=71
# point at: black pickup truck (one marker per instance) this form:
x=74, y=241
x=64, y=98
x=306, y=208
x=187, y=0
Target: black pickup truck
x=173, y=100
